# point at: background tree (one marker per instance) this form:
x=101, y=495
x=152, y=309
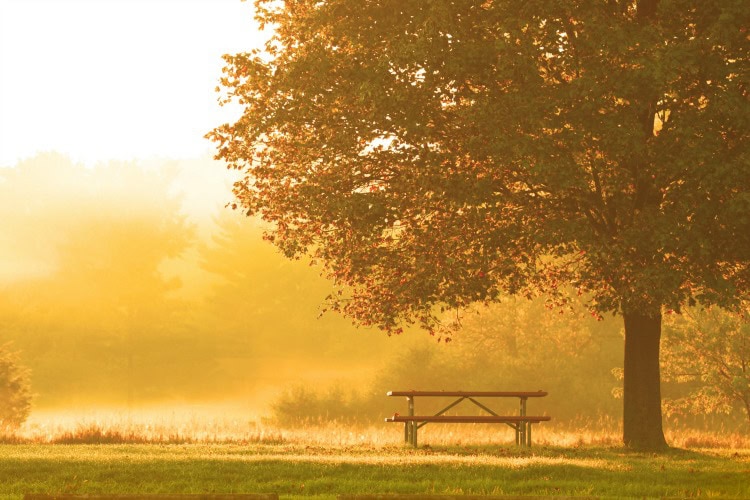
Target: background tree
x=519, y=344
x=120, y=283
x=513, y=344
x=262, y=309
x=92, y=294
x=708, y=350
x=448, y=152
x=15, y=390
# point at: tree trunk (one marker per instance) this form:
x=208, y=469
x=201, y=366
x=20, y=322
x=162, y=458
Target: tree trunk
x=642, y=422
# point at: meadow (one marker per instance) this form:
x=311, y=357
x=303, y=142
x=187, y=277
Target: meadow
x=194, y=454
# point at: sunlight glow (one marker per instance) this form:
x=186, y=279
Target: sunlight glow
x=118, y=79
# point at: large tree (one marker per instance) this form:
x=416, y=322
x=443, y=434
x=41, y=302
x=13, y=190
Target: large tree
x=432, y=153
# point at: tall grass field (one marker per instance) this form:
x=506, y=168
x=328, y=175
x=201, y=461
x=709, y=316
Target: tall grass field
x=190, y=454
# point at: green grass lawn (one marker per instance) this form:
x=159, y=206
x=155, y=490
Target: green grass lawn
x=324, y=472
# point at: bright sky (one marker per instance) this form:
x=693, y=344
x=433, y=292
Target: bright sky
x=115, y=79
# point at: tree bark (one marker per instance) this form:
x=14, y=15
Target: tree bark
x=642, y=419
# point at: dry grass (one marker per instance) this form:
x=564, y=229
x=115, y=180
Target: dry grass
x=226, y=425
x=154, y=425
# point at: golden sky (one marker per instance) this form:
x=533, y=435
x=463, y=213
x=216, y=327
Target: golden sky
x=115, y=79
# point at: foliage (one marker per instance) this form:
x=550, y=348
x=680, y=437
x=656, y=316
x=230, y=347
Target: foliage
x=707, y=352
x=444, y=152
x=15, y=390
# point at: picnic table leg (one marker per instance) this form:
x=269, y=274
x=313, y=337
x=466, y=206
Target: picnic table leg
x=522, y=425
x=411, y=433
x=411, y=426
x=528, y=434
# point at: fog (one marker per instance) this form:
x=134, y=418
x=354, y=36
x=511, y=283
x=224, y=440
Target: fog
x=128, y=284
x=131, y=286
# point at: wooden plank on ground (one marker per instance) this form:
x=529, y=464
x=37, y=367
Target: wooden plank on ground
x=396, y=496
x=154, y=496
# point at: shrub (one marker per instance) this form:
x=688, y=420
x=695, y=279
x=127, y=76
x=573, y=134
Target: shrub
x=302, y=405
x=15, y=390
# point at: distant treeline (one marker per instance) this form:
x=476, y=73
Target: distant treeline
x=131, y=284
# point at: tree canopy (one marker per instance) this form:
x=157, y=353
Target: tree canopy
x=437, y=153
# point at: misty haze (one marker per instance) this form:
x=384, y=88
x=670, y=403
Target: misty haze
x=334, y=248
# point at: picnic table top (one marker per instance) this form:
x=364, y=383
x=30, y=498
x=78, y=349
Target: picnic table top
x=468, y=394
x=476, y=419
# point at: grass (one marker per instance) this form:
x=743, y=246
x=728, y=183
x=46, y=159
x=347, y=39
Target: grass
x=326, y=471
x=186, y=453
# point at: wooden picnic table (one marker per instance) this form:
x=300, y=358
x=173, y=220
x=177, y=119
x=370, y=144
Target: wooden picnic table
x=521, y=423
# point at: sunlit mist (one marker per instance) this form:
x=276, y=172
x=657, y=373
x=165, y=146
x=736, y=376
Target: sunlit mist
x=136, y=302
x=115, y=79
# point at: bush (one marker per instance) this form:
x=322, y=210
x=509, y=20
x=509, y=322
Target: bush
x=15, y=390
x=302, y=405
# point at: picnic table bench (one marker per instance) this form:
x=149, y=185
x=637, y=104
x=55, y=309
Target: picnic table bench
x=521, y=423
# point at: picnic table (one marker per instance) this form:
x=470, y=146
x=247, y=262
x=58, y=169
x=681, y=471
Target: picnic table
x=521, y=423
